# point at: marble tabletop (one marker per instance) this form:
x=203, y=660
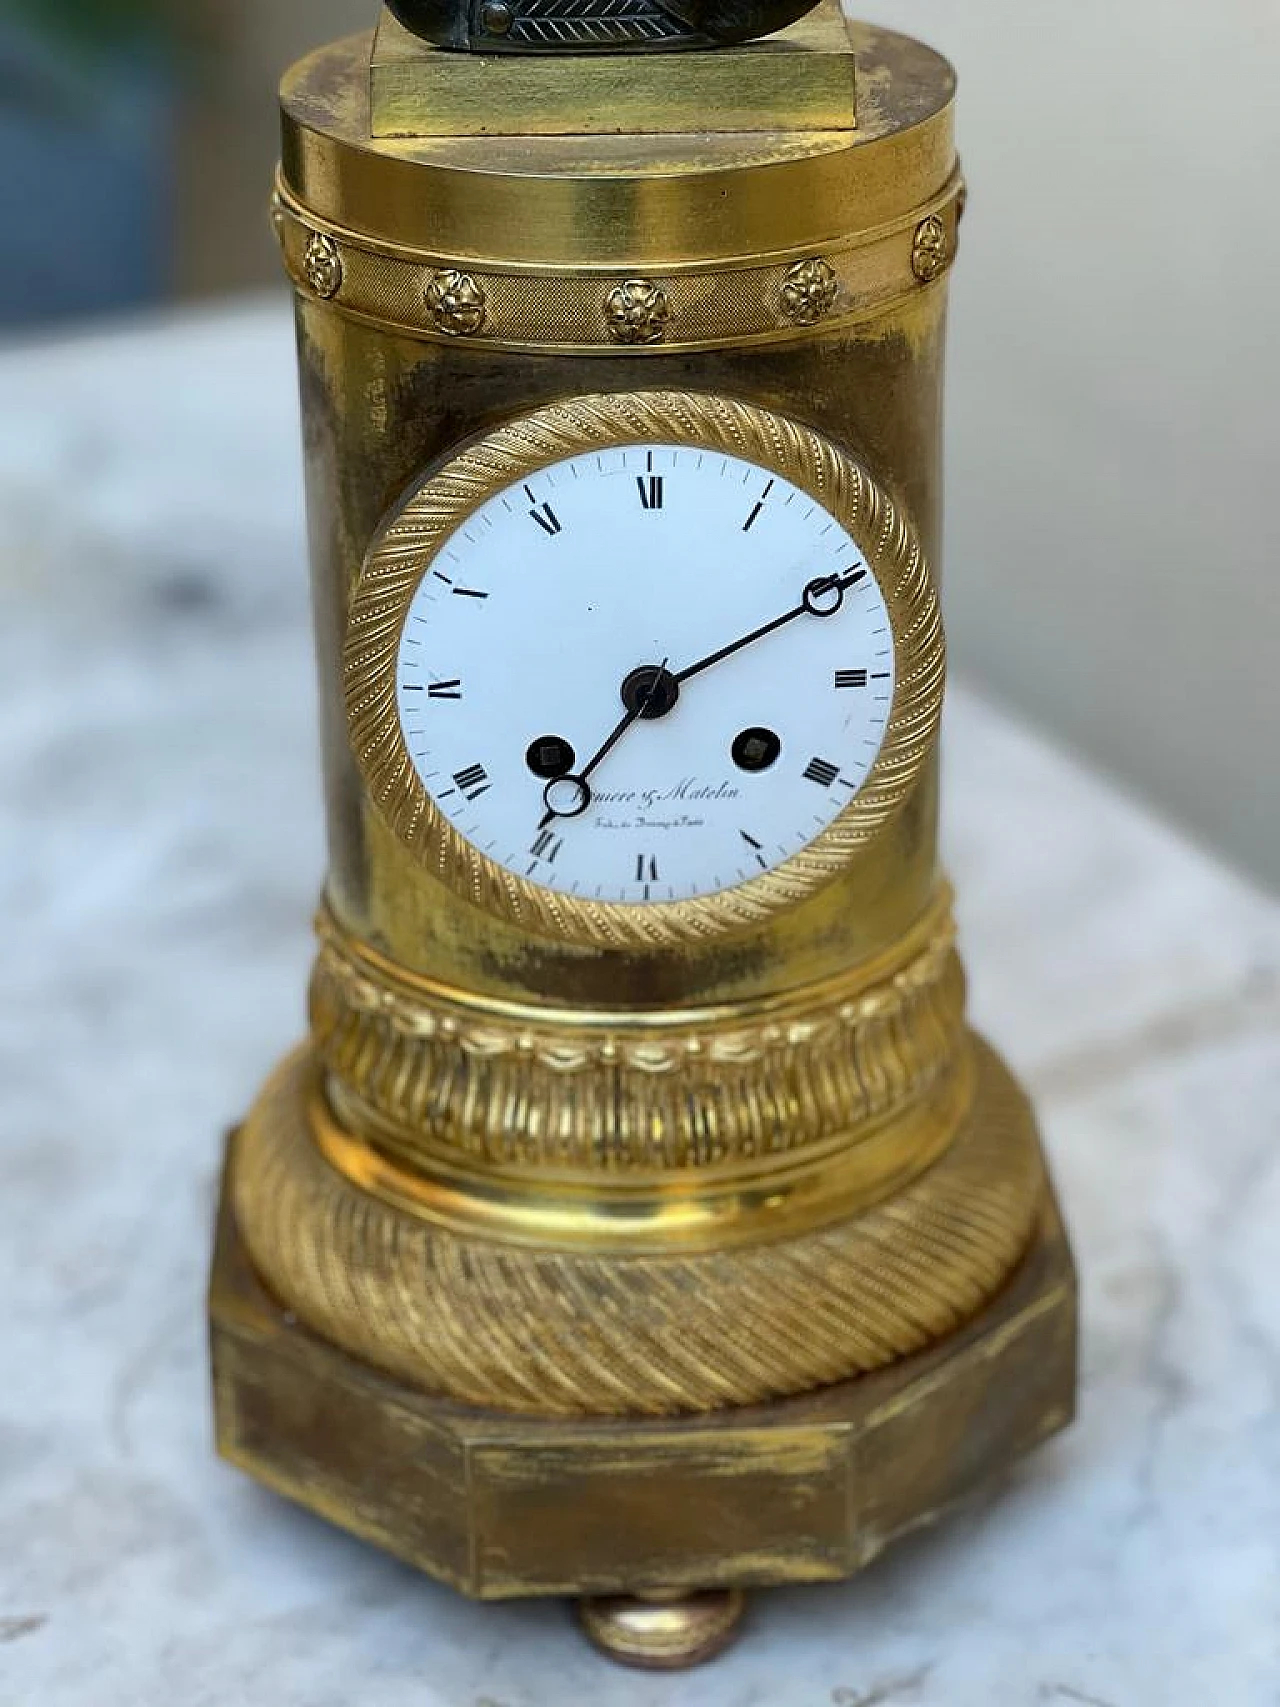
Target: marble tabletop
x=161, y=854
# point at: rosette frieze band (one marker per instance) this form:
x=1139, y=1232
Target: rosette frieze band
x=787, y=297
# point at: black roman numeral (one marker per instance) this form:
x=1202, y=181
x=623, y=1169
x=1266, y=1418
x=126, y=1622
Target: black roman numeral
x=851, y=678
x=822, y=771
x=544, y=515
x=652, y=490
x=752, y=518
x=646, y=871
x=757, y=848
x=474, y=781
x=547, y=847
x=445, y=690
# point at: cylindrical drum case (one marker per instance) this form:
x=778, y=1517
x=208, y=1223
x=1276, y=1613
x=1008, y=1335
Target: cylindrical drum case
x=589, y=1248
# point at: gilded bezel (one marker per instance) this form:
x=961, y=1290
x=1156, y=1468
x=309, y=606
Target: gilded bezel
x=405, y=546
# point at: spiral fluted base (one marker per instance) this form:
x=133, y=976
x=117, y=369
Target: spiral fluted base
x=577, y=1332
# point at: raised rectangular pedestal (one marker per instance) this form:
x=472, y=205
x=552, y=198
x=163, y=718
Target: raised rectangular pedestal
x=801, y=79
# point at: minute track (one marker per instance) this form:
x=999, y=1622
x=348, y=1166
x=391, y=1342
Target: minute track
x=574, y=620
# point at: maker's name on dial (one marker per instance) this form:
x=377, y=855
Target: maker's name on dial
x=688, y=788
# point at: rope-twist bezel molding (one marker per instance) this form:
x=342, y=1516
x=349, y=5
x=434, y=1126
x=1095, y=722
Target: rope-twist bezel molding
x=442, y=502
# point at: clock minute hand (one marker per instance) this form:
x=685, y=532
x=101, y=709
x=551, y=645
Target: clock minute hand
x=810, y=605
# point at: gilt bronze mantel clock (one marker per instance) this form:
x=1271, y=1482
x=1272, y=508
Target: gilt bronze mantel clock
x=641, y=1222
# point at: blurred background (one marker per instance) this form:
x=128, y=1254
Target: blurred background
x=1116, y=360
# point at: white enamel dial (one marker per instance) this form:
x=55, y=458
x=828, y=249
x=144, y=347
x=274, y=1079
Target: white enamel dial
x=646, y=674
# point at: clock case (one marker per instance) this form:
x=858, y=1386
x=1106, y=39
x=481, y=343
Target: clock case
x=625, y=1364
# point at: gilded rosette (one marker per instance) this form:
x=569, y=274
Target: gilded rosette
x=596, y=243
x=685, y=307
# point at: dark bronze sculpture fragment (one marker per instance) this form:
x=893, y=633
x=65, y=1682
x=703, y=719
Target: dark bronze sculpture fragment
x=594, y=26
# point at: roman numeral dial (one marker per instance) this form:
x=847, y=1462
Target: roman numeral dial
x=645, y=674
x=821, y=771
x=542, y=515
x=472, y=782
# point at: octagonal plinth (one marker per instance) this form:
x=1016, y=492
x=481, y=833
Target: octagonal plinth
x=499, y=1505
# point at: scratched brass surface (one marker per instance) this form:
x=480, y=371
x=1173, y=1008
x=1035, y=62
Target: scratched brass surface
x=380, y=409
x=499, y=1505
x=842, y=1292
x=629, y=202
x=501, y=461
x=800, y=79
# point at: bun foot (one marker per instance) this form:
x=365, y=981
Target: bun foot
x=664, y=1632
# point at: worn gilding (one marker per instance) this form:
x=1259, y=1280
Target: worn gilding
x=581, y=1255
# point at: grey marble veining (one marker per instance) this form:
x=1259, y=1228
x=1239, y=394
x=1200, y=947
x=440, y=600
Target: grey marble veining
x=160, y=858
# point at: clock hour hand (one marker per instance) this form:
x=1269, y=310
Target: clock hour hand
x=569, y=796
x=642, y=692
x=822, y=597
